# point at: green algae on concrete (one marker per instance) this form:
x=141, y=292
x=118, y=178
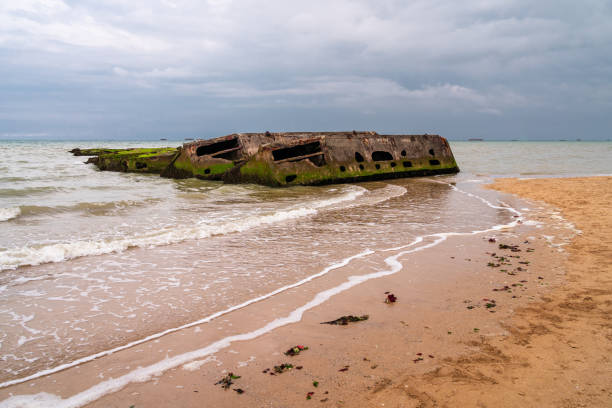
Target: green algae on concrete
x=210, y=171
x=139, y=160
x=94, y=152
x=262, y=172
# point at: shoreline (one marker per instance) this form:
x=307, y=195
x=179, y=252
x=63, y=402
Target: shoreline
x=389, y=329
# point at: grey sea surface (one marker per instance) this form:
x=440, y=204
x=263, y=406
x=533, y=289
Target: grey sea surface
x=535, y=159
x=91, y=261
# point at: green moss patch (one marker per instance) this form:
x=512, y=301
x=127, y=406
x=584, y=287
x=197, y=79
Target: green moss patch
x=146, y=160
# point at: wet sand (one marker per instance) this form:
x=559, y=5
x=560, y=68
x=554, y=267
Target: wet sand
x=468, y=329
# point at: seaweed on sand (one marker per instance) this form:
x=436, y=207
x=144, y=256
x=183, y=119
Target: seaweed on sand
x=344, y=320
x=295, y=350
x=226, y=381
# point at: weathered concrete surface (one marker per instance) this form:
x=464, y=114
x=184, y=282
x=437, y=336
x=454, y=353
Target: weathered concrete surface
x=211, y=159
x=149, y=160
x=307, y=158
x=298, y=158
x=335, y=158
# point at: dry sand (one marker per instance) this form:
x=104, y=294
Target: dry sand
x=545, y=343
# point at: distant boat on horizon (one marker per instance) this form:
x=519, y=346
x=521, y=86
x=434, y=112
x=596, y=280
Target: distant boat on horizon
x=163, y=138
x=189, y=138
x=475, y=139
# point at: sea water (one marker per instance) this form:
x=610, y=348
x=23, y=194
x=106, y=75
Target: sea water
x=91, y=262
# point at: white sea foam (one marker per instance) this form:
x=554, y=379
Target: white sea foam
x=195, y=365
x=380, y=195
x=246, y=363
x=15, y=257
x=416, y=241
x=9, y=213
x=143, y=374
x=40, y=400
x=487, y=202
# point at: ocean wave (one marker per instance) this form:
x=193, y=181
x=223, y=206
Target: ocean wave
x=9, y=213
x=381, y=195
x=29, y=191
x=92, y=208
x=16, y=257
x=12, y=179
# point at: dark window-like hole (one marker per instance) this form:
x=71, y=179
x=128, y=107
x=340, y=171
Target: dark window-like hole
x=217, y=147
x=317, y=160
x=296, y=151
x=431, y=151
x=358, y=157
x=361, y=167
x=342, y=168
x=377, y=166
x=290, y=178
x=407, y=164
x=207, y=171
x=380, y=155
x=434, y=162
x=403, y=153
x=392, y=164
x=140, y=165
x=124, y=165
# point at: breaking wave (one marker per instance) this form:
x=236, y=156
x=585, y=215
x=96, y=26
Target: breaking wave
x=32, y=255
x=9, y=213
x=90, y=208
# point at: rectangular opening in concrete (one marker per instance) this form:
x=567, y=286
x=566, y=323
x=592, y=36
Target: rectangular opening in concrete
x=307, y=151
x=225, y=149
x=296, y=151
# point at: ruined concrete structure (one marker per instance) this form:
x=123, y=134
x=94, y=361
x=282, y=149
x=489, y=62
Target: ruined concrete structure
x=298, y=158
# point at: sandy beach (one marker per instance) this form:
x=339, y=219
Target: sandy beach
x=513, y=317
x=557, y=353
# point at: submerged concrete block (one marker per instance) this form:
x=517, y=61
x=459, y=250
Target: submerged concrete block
x=137, y=160
x=304, y=158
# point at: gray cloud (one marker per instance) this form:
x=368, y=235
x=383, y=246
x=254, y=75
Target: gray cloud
x=172, y=68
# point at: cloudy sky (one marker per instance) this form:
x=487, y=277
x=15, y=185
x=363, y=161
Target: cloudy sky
x=146, y=69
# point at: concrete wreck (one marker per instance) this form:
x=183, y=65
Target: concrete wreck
x=291, y=158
